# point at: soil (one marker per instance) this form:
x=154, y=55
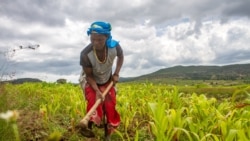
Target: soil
x=32, y=126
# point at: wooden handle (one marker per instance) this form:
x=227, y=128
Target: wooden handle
x=93, y=108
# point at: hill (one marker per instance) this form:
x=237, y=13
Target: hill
x=22, y=80
x=227, y=72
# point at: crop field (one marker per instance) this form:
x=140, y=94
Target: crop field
x=149, y=112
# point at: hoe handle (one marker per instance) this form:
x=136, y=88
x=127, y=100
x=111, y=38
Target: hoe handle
x=93, y=108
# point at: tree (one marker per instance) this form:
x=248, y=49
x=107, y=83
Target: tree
x=5, y=57
x=61, y=81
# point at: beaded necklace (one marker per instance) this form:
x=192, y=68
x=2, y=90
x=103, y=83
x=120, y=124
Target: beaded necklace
x=98, y=60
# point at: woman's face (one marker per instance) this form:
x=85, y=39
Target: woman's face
x=98, y=40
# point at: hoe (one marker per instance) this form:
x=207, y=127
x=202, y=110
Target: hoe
x=84, y=122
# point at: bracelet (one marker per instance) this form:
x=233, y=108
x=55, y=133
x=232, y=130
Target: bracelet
x=116, y=74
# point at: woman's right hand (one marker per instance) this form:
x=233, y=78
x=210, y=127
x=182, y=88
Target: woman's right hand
x=99, y=95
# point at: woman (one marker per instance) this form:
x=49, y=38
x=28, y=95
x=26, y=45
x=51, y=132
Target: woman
x=97, y=60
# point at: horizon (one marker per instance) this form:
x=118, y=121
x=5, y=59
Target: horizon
x=129, y=77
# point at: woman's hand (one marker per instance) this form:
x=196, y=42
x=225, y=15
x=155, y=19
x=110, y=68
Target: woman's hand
x=99, y=95
x=115, y=78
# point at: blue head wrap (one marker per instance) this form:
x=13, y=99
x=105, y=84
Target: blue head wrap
x=103, y=28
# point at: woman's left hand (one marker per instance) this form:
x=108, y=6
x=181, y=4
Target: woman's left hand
x=115, y=78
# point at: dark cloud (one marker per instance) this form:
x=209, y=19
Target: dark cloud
x=153, y=33
x=232, y=57
x=53, y=66
x=11, y=34
x=158, y=11
x=45, y=11
x=237, y=8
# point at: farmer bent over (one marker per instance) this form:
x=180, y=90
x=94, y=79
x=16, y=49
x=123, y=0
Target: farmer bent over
x=97, y=60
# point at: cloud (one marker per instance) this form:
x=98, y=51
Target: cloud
x=154, y=34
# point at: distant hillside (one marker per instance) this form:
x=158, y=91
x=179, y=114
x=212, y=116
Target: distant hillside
x=227, y=72
x=22, y=80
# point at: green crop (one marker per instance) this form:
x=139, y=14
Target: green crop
x=149, y=112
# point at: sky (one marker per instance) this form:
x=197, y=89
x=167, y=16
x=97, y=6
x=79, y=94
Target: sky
x=154, y=34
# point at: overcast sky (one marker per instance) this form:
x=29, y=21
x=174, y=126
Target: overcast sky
x=154, y=34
